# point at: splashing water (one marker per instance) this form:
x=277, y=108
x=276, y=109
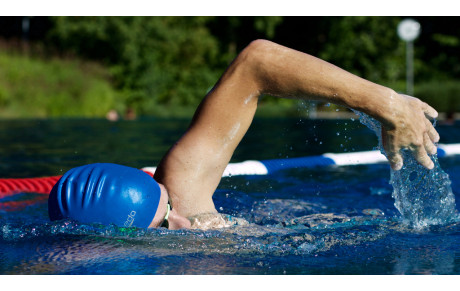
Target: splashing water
x=423, y=197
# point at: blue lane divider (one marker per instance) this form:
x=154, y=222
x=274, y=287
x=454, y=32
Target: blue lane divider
x=310, y=162
x=441, y=153
x=265, y=167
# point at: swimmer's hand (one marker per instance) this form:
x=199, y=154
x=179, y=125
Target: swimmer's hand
x=409, y=128
x=215, y=220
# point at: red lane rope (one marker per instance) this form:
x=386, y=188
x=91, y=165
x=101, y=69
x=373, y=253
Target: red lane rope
x=12, y=206
x=42, y=185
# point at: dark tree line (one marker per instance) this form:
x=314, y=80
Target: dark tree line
x=176, y=60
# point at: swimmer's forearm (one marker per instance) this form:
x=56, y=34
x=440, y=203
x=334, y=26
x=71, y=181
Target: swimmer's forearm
x=287, y=73
x=284, y=72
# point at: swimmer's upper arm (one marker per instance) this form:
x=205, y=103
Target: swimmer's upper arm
x=193, y=167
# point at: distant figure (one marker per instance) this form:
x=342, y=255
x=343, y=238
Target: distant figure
x=130, y=114
x=450, y=119
x=190, y=172
x=112, y=115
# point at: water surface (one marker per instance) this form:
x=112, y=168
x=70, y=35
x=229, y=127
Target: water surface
x=332, y=220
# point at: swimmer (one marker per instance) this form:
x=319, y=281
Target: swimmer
x=189, y=173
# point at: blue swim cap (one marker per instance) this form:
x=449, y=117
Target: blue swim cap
x=105, y=193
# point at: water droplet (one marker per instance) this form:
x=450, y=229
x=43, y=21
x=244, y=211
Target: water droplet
x=423, y=197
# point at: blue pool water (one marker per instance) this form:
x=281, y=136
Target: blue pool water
x=330, y=220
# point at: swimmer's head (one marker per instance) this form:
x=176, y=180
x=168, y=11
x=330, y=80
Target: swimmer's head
x=108, y=194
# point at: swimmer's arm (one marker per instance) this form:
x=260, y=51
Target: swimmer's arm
x=284, y=72
x=192, y=169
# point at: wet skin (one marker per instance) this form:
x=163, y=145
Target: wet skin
x=191, y=170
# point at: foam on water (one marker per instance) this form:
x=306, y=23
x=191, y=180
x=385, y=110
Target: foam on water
x=304, y=235
x=423, y=197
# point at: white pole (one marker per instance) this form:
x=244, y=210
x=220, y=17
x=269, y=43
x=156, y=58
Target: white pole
x=410, y=68
x=409, y=30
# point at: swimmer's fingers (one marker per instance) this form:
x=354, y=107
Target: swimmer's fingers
x=432, y=133
x=393, y=155
x=396, y=160
x=422, y=157
x=429, y=145
x=429, y=111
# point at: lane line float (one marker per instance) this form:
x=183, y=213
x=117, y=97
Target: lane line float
x=43, y=185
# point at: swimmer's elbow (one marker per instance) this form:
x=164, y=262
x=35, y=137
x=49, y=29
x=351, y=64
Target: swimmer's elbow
x=254, y=65
x=254, y=60
x=257, y=51
x=260, y=44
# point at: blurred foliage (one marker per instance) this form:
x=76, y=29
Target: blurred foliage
x=37, y=88
x=153, y=60
x=234, y=32
x=368, y=47
x=165, y=65
x=444, y=95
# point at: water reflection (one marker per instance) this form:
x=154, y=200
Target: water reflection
x=305, y=221
x=436, y=258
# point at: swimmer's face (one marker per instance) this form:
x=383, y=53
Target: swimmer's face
x=175, y=220
x=162, y=208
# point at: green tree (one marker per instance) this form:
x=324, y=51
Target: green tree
x=153, y=60
x=236, y=32
x=439, y=45
x=368, y=47
x=160, y=60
